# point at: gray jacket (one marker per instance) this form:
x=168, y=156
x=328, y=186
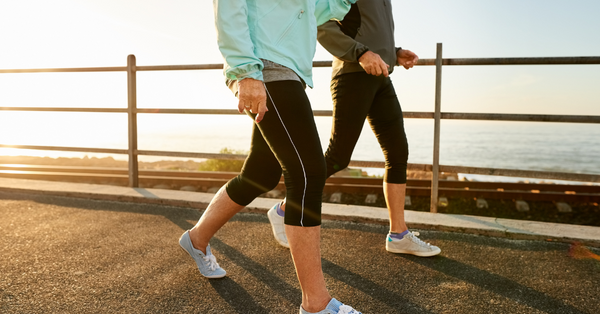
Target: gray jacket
x=369, y=26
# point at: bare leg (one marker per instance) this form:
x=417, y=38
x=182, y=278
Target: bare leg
x=395, y=195
x=306, y=253
x=218, y=212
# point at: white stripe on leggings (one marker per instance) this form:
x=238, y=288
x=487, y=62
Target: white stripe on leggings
x=301, y=163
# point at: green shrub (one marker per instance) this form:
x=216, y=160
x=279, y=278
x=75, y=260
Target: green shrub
x=223, y=165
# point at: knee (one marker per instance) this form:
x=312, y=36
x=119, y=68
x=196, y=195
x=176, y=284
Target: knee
x=395, y=169
x=336, y=163
x=397, y=161
x=263, y=181
x=312, y=175
x=318, y=171
x=255, y=183
x=395, y=148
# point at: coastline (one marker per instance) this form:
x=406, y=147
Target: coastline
x=171, y=164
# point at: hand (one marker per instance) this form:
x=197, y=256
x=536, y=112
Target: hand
x=373, y=64
x=252, y=97
x=406, y=58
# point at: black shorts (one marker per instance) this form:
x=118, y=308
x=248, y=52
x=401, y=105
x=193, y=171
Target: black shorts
x=285, y=141
x=359, y=96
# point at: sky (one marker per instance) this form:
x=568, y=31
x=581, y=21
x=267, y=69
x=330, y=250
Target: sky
x=98, y=33
x=89, y=33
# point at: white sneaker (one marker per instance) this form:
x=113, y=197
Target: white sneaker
x=278, y=226
x=207, y=263
x=334, y=307
x=410, y=244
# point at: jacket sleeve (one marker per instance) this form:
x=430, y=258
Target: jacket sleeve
x=340, y=45
x=233, y=37
x=326, y=10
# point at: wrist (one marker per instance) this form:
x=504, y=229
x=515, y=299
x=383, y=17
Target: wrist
x=247, y=81
x=361, y=53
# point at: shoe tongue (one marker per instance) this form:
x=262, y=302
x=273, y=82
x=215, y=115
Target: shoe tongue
x=280, y=211
x=334, y=305
x=208, y=252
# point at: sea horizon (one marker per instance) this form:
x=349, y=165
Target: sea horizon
x=556, y=147
x=541, y=146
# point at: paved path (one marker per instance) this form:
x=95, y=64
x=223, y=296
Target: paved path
x=73, y=255
x=497, y=227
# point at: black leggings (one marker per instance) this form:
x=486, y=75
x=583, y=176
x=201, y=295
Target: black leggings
x=357, y=96
x=286, y=140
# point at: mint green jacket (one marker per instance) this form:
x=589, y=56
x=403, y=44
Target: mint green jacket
x=282, y=31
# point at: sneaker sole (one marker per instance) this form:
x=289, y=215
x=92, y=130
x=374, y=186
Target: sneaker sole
x=285, y=245
x=420, y=254
x=211, y=277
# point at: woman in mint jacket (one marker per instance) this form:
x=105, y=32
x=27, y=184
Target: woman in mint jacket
x=268, y=46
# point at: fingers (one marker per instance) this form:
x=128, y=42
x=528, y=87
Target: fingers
x=262, y=109
x=241, y=106
x=376, y=69
x=407, y=64
x=384, y=68
x=252, y=97
x=407, y=58
x=414, y=59
x=246, y=105
x=373, y=64
x=259, y=107
x=381, y=68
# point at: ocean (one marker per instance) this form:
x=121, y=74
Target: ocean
x=562, y=147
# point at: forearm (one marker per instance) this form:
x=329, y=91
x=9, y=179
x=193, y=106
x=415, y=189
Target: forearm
x=340, y=45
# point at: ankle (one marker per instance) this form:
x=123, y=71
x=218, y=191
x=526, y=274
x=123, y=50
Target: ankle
x=398, y=235
x=398, y=228
x=315, y=306
x=196, y=241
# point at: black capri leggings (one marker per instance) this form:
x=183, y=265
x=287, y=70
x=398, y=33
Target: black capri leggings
x=286, y=140
x=357, y=96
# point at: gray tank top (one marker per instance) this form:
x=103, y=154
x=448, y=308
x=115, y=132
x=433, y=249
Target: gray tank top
x=271, y=72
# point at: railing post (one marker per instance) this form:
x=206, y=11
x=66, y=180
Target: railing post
x=132, y=121
x=436, y=130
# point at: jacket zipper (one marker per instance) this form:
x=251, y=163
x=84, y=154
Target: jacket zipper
x=289, y=28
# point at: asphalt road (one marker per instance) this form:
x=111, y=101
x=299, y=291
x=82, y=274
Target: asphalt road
x=69, y=255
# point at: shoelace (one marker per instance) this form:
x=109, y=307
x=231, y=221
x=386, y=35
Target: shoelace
x=345, y=309
x=414, y=238
x=212, y=262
